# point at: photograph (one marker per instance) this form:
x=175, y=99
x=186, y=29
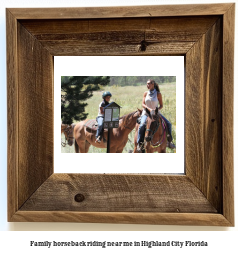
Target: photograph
x=139, y=111
x=114, y=113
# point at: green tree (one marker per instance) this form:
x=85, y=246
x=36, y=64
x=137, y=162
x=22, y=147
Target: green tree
x=74, y=91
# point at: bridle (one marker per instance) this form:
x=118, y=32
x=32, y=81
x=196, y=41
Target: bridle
x=156, y=128
x=161, y=140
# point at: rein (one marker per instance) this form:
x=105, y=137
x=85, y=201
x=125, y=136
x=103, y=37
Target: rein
x=157, y=127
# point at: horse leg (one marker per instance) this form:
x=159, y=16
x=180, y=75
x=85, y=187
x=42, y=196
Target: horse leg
x=135, y=144
x=119, y=150
x=79, y=135
x=76, y=147
x=113, y=150
x=81, y=145
x=135, y=138
x=148, y=150
x=163, y=150
x=87, y=145
x=164, y=146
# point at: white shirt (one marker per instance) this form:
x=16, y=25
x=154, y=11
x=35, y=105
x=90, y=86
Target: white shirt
x=102, y=104
x=151, y=100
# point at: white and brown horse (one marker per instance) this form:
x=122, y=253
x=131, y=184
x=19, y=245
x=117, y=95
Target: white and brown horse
x=119, y=136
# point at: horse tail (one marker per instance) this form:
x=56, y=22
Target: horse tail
x=76, y=147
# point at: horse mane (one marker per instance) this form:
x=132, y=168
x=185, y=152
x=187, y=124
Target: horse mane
x=70, y=126
x=73, y=125
x=153, y=115
x=125, y=117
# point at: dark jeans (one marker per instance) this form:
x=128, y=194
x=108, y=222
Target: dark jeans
x=100, y=120
x=141, y=130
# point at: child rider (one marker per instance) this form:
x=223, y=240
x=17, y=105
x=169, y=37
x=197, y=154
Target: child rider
x=100, y=118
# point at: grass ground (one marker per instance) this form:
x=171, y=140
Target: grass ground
x=130, y=98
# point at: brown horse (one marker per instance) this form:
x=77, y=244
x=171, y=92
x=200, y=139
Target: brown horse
x=119, y=136
x=63, y=127
x=68, y=131
x=155, y=135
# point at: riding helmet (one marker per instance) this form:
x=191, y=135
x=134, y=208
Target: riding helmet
x=106, y=94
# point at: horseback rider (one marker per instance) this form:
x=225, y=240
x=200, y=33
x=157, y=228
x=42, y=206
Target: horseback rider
x=100, y=118
x=150, y=101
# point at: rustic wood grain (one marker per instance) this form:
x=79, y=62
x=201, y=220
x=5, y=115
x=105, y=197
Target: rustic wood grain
x=204, y=115
x=71, y=48
x=177, y=25
x=140, y=193
x=227, y=113
x=12, y=114
x=207, y=187
x=121, y=11
x=78, y=26
x=192, y=219
x=189, y=25
x=119, y=36
x=36, y=114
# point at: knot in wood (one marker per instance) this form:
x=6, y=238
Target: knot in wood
x=79, y=198
x=143, y=45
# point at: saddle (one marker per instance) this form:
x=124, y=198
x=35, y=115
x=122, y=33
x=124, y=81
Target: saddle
x=91, y=125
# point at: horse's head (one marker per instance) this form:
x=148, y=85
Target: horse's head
x=152, y=124
x=69, y=134
x=63, y=127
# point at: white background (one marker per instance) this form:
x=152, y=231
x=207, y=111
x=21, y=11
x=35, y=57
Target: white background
x=220, y=241
x=119, y=66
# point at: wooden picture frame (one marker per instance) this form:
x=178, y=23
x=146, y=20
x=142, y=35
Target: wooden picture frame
x=204, y=34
